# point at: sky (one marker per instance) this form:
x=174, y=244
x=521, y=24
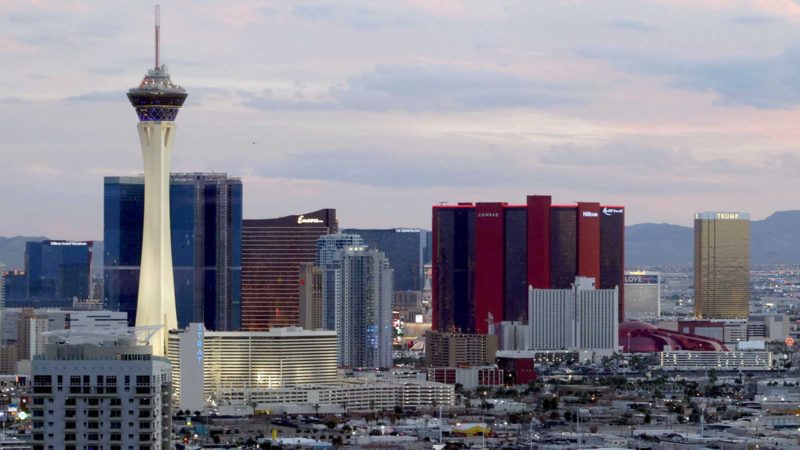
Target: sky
x=381, y=109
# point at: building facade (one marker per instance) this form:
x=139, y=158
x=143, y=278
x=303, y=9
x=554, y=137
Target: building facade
x=445, y=349
x=206, y=364
x=485, y=255
x=206, y=230
x=719, y=361
x=363, y=307
x=15, y=288
x=722, y=265
x=25, y=330
x=642, y=295
x=91, y=394
x=580, y=318
x=354, y=395
x=312, y=308
x=58, y=272
x=328, y=248
x=272, y=251
x=404, y=248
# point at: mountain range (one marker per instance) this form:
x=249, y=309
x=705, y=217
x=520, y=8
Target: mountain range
x=774, y=240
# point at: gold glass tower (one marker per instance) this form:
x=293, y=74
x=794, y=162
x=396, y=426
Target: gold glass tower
x=721, y=265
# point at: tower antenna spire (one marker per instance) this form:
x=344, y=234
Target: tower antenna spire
x=158, y=32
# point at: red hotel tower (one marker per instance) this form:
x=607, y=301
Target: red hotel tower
x=485, y=255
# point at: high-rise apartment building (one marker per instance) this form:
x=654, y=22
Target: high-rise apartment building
x=272, y=251
x=328, y=248
x=58, y=271
x=642, y=295
x=486, y=255
x=722, y=265
x=405, y=248
x=363, y=307
x=102, y=391
x=206, y=230
x=312, y=308
x=579, y=318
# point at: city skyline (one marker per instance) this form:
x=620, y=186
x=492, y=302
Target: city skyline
x=440, y=98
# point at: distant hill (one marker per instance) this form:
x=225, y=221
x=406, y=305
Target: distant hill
x=652, y=244
x=774, y=240
x=12, y=253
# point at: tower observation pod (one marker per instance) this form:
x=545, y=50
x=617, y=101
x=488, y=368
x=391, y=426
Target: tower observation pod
x=157, y=101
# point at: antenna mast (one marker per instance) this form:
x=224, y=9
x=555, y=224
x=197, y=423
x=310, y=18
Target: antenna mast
x=158, y=32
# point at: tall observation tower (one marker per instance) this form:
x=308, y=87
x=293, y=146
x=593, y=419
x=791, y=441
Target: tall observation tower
x=156, y=101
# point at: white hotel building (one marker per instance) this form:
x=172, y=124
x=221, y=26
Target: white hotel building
x=208, y=364
x=581, y=318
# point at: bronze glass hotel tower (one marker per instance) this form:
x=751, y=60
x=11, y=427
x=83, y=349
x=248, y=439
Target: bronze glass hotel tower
x=721, y=265
x=273, y=252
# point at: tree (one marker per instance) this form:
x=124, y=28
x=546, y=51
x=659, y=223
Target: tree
x=534, y=387
x=331, y=422
x=657, y=394
x=549, y=403
x=316, y=409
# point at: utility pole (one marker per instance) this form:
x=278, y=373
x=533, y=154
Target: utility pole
x=531, y=440
x=440, y=424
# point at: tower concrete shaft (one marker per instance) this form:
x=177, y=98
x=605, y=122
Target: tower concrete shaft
x=156, y=302
x=157, y=101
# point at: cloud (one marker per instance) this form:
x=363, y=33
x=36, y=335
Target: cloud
x=391, y=167
x=115, y=96
x=269, y=100
x=418, y=88
x=764, y=82
x=664, y=165
x=633, y=25
x=617, y=168
x=754, y=19
x=620, y=154
x=355, y=15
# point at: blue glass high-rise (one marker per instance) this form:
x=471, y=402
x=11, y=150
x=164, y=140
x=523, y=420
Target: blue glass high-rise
x=57, y=272
x=406, y=249
x=206, y=228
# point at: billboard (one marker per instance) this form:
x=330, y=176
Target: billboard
x=641, y=279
